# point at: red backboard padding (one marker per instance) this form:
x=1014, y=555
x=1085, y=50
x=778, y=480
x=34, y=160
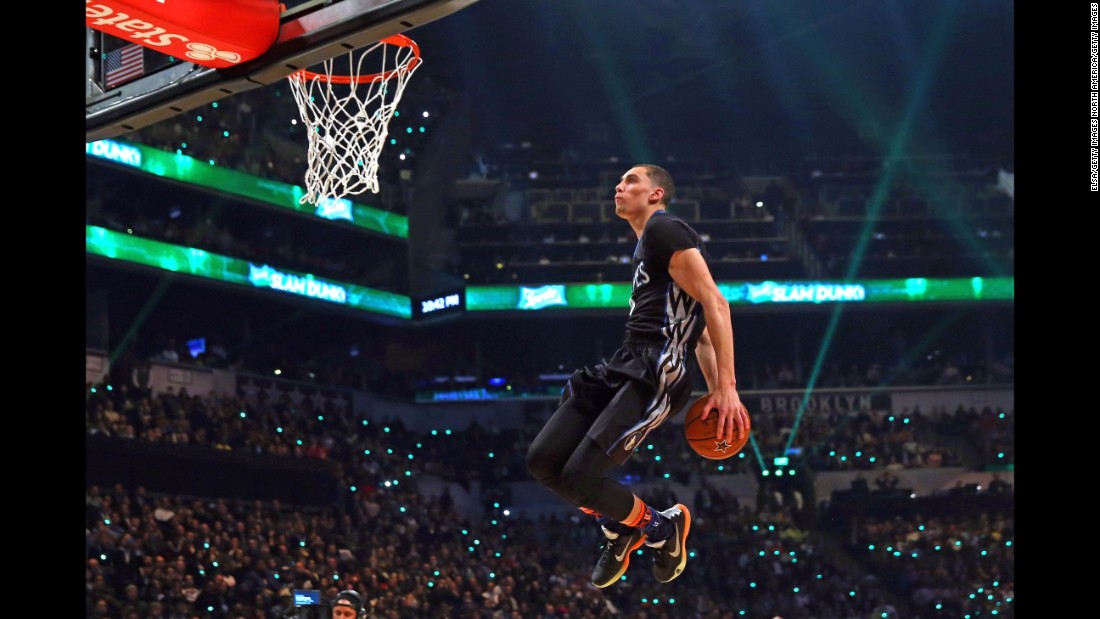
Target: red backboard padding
x=211, y=33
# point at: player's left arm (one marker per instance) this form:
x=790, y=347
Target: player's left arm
x=704, y=355
x=689, y=270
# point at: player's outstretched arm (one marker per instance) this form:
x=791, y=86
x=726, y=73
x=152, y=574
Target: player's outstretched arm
x=689, y=270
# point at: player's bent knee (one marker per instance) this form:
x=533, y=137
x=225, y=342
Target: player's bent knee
x=540, y=466
x=580, y=484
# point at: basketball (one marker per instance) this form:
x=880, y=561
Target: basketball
x=702, y=434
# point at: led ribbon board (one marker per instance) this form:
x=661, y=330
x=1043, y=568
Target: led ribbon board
x=201, y=263
x=617, y=295
x=185, y=169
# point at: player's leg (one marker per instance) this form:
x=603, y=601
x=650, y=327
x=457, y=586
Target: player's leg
x=625, y=518
x=605, y=414
x=613, y=505
x=573, y=466
x=620, y=430
x=563, y=433
x=670, y=554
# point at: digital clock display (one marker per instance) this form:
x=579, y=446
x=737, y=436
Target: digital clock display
x=447, y=303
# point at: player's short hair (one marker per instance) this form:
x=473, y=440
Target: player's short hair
x=661, y=178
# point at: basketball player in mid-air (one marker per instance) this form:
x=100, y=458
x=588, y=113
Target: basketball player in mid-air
x=607, y=410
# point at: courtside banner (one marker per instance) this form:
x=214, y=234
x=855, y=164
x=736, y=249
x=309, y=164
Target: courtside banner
x=212, y=33
x=824, y=401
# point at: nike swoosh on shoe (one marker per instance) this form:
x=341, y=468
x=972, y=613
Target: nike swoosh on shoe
x=675, y=537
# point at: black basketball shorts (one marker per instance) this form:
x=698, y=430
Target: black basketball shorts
x=629, y=395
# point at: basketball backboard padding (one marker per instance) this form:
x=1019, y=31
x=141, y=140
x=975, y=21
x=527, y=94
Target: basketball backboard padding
x=243, y=30
x=308, y=35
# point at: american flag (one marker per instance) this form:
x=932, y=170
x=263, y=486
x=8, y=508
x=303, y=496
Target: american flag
x=124, y=64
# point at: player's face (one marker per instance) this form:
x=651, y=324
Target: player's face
x=634, y=193
x=343, y=612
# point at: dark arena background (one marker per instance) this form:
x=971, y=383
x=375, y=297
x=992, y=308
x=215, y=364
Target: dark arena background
x=285, y=401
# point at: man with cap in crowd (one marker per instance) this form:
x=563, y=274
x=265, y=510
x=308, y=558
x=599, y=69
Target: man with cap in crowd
x=347, y=605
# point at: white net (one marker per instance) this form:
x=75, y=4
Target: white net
x=347, y=115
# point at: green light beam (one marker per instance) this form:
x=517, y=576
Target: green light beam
x=756, y=450
x=146, y=309
x=923, y=346
x=664, y=86
x=895, y=148
x=637, y=143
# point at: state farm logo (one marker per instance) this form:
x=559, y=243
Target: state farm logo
x=142, y=30
x=200, y=52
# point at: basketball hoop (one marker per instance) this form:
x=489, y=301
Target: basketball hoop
x=347, y=115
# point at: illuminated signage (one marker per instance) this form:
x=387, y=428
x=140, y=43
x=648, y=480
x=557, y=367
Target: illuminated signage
x=305, y=285
x=115, y=151
x=616, y=295
x=543, y=296
x=179, y=167
x=465, y=395
x=206, y=265
x=446, y=303
x=334, y=208
x=307, y=598
x=438, y=303
x=812, y=292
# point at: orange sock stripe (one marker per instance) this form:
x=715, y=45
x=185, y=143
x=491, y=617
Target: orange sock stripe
x=591, y=512
x=637, y=514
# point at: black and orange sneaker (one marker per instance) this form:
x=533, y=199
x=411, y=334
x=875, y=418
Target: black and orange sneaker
x=616, y=556
x=670, y=557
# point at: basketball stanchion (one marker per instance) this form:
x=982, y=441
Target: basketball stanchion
x=346, y=107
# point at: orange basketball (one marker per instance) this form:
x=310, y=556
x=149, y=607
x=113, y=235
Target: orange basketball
x=702, y=434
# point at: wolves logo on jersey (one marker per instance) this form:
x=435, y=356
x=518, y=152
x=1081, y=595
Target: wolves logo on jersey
x=640, y=277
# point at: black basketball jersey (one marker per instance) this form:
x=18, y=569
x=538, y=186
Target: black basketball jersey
x=660, y=311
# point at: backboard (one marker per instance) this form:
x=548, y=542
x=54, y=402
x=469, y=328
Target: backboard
x=310, y=32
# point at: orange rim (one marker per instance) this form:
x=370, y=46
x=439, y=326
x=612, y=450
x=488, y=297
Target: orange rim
x=399, y=40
